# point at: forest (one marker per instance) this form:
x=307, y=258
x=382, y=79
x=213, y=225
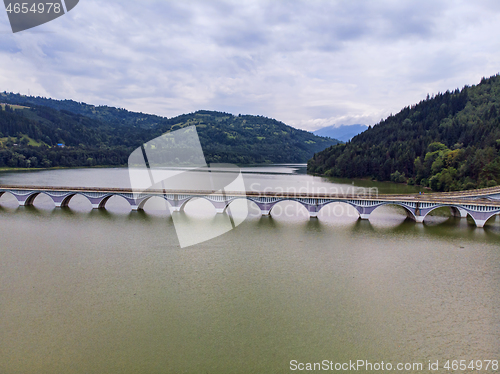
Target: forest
x=38, y=132
x=447, y=142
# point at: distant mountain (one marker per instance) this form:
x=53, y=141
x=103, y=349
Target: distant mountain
x=40, y=132
x=343, y=133
x=447, y=142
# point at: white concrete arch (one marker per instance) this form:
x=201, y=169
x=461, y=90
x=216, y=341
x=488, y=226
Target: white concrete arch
x=143, y=202
x=67, y=199
x=182, y=206
x=104, y=200
x=7, y=193
x=30, y=199
x=297, y=201
x=14, y=197
x=236, y=198
x=455, y=210
x=409, y=211
x=340, y=203
x=186, y=201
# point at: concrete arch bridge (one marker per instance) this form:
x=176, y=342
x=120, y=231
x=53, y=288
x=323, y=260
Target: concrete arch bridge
x=480, y=204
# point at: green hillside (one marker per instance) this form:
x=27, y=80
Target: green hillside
x=248, y=139
x=110, y=115
x=448, y=142
x=32, y=131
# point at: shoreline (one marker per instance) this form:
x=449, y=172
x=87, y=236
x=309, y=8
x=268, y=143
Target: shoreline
x=8, y=169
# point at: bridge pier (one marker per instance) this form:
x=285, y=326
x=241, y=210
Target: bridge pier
x=419, y=219
x=480, y=222
x=26, y=200
x=458, y=212
x=313, y=210
x=480, y=218
x=23, y=203
x=220, y=206
x=175, y=204
x=62, y=201
x=265, y=208
x=365, y=211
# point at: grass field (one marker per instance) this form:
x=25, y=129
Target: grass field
x=31, y=142
x=15, y=107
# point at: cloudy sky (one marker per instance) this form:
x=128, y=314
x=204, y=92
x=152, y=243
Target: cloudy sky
x=307, y=63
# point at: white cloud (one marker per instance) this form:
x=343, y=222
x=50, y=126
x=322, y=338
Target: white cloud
x=308, y=64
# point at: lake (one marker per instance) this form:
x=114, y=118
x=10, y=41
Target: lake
x=111, y=291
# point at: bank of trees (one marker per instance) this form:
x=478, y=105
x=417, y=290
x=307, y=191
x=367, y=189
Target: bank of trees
x=447, y=142
x=44, y=157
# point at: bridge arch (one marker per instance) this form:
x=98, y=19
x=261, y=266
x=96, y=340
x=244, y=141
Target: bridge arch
x=30, y=199
x=104, y=200
x=267, y=206
x=285, y=210
x=8, y=193
x=455, y=210
x=240, y=198
x=409, y=212
x=67, y=199
x=143, y=202
x=339, y=203
x=182, y=207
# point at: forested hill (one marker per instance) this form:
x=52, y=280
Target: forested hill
x=38, y=132
x=448, y=142
x=248, y=139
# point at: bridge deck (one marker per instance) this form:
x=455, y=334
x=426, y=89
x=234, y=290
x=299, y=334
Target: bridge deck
x=473, y=197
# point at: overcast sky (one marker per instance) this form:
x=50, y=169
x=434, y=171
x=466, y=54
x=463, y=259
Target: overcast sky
x=308, y=64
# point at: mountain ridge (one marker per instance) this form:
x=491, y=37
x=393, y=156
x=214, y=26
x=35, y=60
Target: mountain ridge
x=450, y=141
x=30, y=133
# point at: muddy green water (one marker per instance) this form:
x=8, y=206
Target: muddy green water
x=111, y=291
